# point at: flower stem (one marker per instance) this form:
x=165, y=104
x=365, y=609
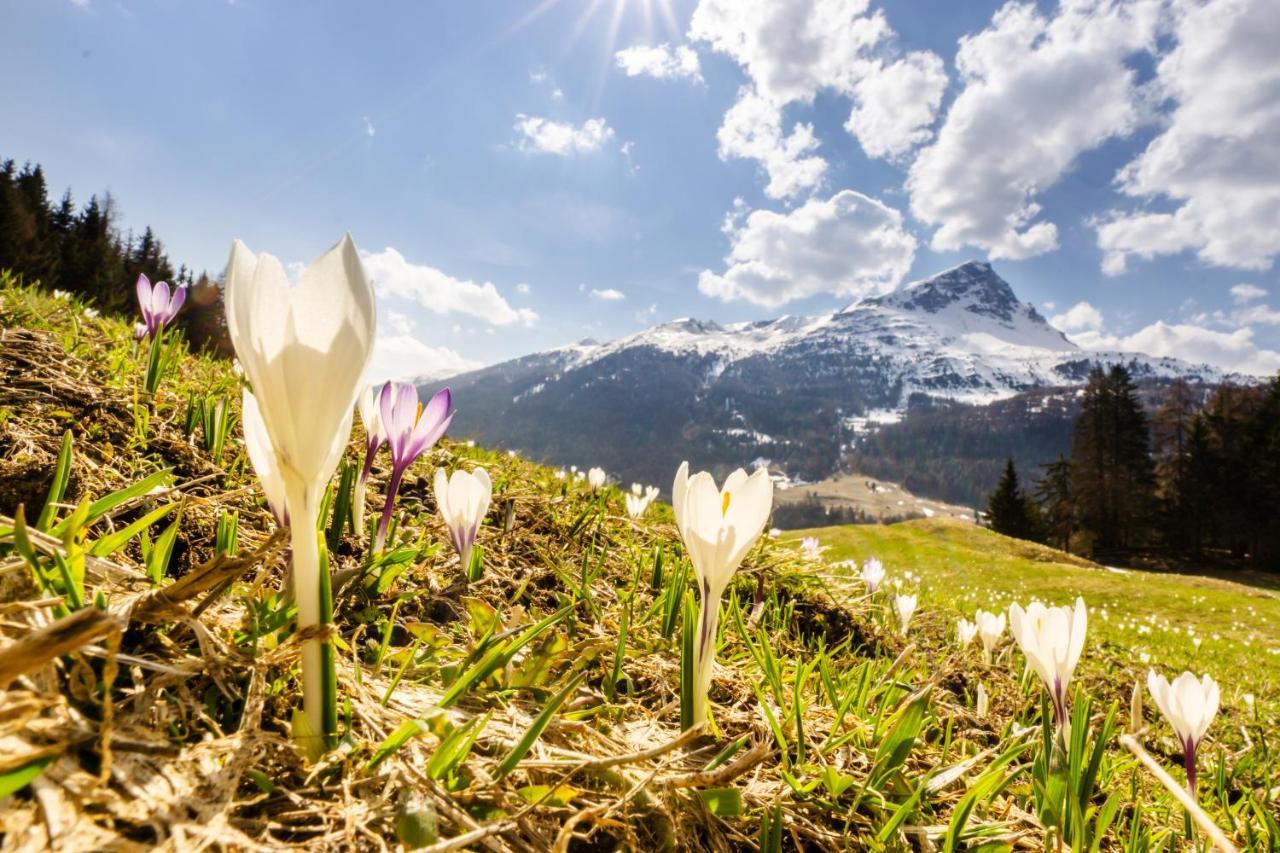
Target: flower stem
x=361, y=482
x=310, y=588
x=394, y=486
x=704, y=654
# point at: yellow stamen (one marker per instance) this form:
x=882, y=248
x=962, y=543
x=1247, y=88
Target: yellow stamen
x=724, y=505
x=418, y=416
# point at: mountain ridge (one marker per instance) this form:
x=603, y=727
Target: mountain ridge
x=795, y=391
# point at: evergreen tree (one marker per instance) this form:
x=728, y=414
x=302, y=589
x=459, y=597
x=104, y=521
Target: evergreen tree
x=1170, y=433
x=1007, y=511
x=1057, y=503
x=1113, y=477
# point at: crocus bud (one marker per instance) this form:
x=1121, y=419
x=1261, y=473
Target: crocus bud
x=990, y=627
x=904, y=606
x=463, y=499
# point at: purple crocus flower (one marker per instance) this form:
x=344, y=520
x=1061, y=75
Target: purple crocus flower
x=158, y=305
x=410, y=429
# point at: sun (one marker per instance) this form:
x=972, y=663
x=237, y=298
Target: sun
x=655, y=20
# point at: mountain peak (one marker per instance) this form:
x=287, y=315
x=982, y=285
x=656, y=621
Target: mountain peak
x=973, y=286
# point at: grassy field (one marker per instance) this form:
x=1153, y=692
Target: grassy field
x=876, y=498
x=1138, y=619
x=149, y=662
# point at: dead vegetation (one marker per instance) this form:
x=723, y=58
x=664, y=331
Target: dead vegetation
x=161, y=717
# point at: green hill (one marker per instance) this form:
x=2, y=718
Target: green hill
x=149, y=667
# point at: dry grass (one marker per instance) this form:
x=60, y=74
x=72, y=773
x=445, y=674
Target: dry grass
x=165, y=720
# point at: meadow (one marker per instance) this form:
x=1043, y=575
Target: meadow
x=537, y=696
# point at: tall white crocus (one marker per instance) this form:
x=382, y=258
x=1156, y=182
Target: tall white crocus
x=596, y=478
x=811, y=548
x=872, y=574
x=904, y=606
x=965, y=632
x=1052, y=639
x=1189, y=704
x=990, y=627
x=718, y=526
x=463, y=499
x=304, y=350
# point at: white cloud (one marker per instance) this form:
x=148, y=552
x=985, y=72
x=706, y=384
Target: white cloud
x=369, y=129
x=1080, y=317
x=1234, y=351
x=896, y=106
x=522, y=288
x=1038, y=92
x=1257, y=315
x=849, y=245
x=793, y=49
x=555, y=137
x=1245, y=292
x=401, y=324
x=394, y=276
x=752, y=129
x=1218, y=156
x=402, y=356
x=663, y=61
x=609, y=294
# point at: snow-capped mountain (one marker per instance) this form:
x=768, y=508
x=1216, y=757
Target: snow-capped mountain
x=790, y=390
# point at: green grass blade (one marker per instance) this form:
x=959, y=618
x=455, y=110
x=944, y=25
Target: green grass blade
x=58, y=488
x=521, y=749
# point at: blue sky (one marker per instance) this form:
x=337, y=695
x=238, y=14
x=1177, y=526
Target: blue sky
x=522, y=175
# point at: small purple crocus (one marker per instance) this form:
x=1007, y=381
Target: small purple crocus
x=410, y=429
x=158, y=305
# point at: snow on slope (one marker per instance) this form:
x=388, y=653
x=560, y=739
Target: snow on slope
x=962, y=334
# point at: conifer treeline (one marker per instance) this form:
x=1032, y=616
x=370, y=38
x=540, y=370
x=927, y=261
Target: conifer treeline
x=80, y=250
x=1201, y=474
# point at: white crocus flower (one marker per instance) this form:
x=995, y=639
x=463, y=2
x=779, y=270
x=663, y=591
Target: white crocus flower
x=651, y=493
x=965, y=632
x=636, y=505
x=872, y=574
x=1189, y=704
x=904, y=606
x=810, y=547
x=1052, y=639
x=990, y=627
x=463, y=499
x=304, y=350
x=984, y=701
x=596, y=478
x=719, y=527
x=637, y=489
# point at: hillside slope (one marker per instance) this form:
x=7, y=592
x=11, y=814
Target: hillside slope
x=535, y=708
